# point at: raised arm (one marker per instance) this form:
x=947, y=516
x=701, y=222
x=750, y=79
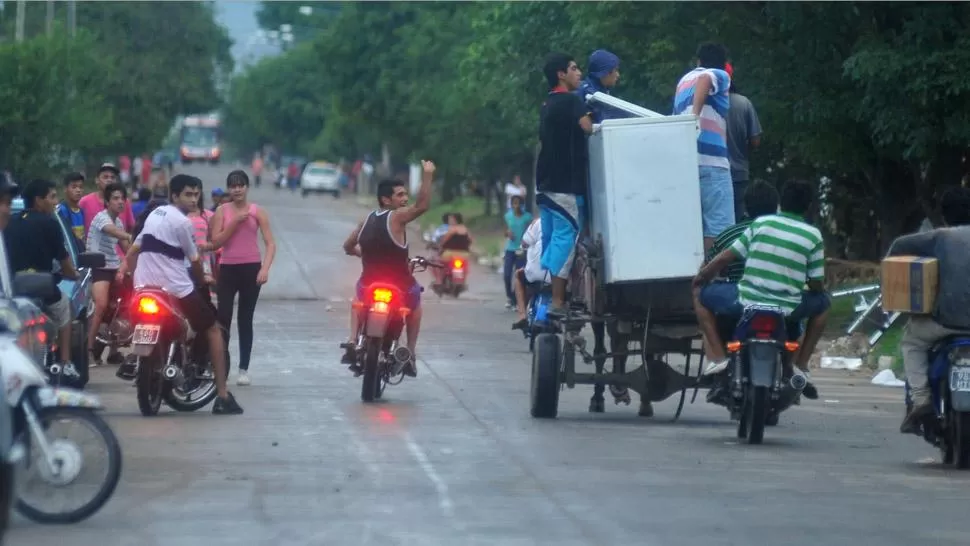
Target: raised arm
x=405, y=215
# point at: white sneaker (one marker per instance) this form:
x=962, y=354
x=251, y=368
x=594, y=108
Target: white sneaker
x=716, y=366
x=243, y=379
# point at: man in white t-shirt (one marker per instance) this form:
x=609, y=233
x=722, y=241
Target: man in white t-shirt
x=158, y=258
x=531, y=273
x=514, y=189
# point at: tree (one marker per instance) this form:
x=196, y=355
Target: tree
x=868, y=99
x=52, y=103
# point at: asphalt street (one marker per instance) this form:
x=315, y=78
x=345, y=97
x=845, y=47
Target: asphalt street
x=453, y=457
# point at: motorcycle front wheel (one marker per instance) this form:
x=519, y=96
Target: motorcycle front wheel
x=69, y=467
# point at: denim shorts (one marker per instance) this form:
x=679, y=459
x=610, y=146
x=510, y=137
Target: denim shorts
x=412, y=298
x=717, y=200
x=722, y=298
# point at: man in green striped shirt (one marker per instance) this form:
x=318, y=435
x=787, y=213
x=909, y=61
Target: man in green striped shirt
x=782, y=254
x=760, y=199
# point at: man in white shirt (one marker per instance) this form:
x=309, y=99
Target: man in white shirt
x=513, y=189
x=531, y=273
x=164, y=244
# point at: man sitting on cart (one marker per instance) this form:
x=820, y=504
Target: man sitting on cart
x=782, y=254
x=562, y=169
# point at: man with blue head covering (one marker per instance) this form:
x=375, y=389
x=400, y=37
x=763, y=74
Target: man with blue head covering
x=601, y=75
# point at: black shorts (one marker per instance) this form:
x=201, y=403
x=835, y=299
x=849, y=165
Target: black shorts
x=199, y=312
x=103, y=275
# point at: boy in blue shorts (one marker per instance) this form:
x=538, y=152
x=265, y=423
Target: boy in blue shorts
x=562, y=169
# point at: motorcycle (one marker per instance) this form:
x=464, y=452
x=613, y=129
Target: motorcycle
x=116, y=330
x=536, y=313
x=760, y=351
x=380, y=357
x=949, y=377
x=7, y=466
x=455, y=266
x=48, y=462
x=172, y=363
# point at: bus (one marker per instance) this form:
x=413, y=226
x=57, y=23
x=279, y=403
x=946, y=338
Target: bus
x=200, y=139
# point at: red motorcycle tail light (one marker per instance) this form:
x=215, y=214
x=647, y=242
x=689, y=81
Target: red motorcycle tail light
x=458, y=263
x=148, y=306
x=382, y=295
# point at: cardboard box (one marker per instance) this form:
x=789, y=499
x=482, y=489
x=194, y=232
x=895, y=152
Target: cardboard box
x=909, y=284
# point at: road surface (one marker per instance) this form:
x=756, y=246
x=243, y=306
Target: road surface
x=453, y=458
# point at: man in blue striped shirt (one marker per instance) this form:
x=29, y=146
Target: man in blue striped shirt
x=703, y=92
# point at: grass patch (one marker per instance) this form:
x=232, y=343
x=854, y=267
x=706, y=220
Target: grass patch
x=488, y=231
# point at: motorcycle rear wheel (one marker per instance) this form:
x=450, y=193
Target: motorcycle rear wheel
x=369, y=387
x=113, y=475
x=751, y=427
x=150, y=383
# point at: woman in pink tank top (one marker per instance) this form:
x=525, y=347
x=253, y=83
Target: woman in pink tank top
x=236, y=227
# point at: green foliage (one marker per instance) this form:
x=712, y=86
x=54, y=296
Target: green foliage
x=115, y=88
x=869, y=96
x=45, y=118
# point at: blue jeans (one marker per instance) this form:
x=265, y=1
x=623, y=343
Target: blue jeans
x=511, y=263
x=722, y=298
x=717, y=200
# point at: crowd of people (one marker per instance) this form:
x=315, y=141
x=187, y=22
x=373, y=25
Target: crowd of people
x=761, y=248
x=171, y=229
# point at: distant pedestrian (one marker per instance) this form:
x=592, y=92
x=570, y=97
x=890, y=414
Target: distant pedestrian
x=743, y=136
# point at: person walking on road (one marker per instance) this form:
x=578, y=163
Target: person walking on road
x=93, y=203
x=517, y=221
x=235, y=228
x=743, y=136
x=257, y=169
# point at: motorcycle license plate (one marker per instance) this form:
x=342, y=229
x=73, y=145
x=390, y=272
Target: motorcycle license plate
x=458, y=274
x=146, y=334
x=960, y=379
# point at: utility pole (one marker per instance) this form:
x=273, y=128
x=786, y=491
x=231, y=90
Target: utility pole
x=21, y=7
x=72, y=17
x=50, y=17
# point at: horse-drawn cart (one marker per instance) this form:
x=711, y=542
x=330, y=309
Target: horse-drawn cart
x=632, y=276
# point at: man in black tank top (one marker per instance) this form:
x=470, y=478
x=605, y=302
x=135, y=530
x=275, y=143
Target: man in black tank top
x=380, y=240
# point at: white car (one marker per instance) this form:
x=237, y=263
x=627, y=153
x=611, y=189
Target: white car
x=320, y=178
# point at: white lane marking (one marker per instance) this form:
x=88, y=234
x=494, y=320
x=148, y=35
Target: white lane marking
x=444, y=500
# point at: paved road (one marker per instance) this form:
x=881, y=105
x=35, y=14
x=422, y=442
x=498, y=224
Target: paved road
x=453, y=458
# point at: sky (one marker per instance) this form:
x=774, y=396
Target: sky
x=240, y=18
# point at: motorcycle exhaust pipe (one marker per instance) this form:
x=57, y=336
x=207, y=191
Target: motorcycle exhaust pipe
x=798, y=382
x=55, y=369
x=402, y=355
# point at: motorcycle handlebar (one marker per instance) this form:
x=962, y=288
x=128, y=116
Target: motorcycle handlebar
x=419, y=261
